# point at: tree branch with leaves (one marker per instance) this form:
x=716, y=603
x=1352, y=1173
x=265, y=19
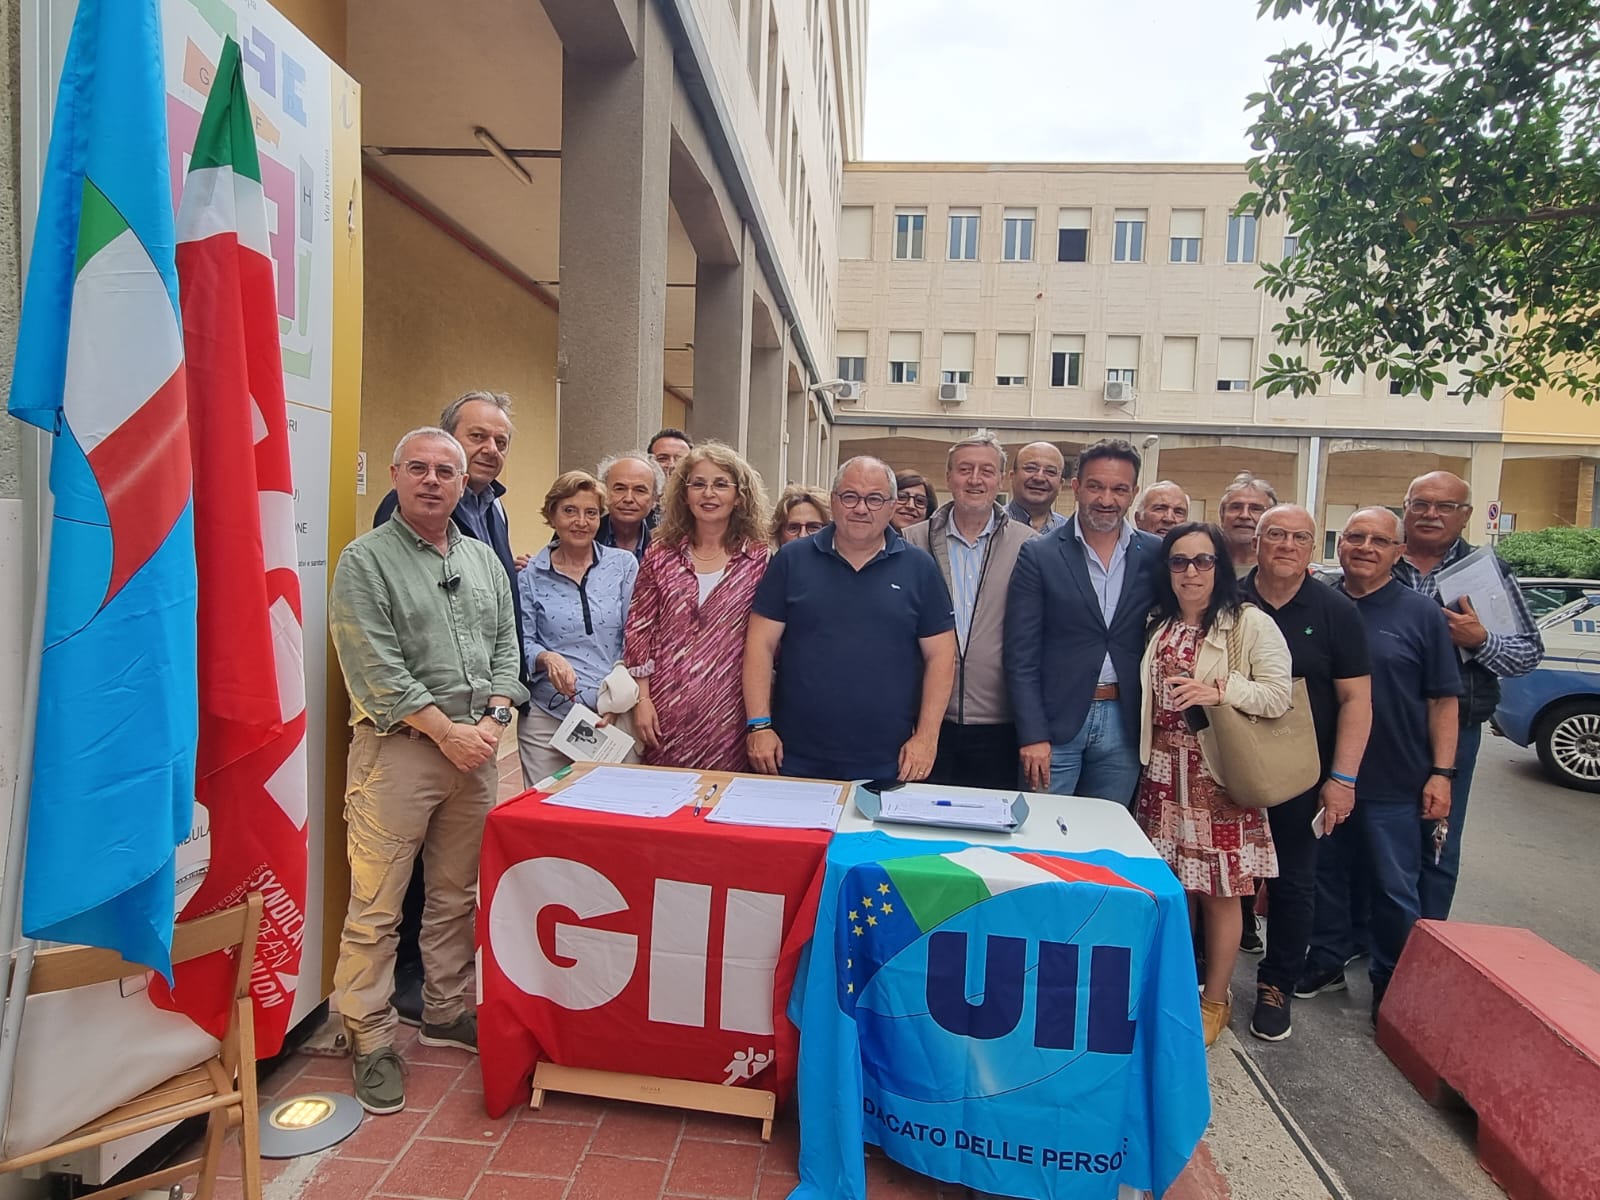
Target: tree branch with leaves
x=1438, y=162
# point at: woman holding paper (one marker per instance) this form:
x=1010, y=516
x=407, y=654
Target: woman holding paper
x=574, y=596
x=1215, y=848
x=685, y=637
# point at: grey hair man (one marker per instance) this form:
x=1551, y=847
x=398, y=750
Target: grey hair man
x=634, y=483
x=423, y=622
x=975, y=543
x=1160, y=507
x=1238, y=512
x=480, y=422
x=1438, y=507
x=1403, y=786
x=855, y=602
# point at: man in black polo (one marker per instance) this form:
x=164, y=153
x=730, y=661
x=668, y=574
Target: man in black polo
x=862, y=629
x=1328, y=646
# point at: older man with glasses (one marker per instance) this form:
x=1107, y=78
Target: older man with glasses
x=866, y=631
x=1328, y=649
x=1438, y=507
x=1403, y=786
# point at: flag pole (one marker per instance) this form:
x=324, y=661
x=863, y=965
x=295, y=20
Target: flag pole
x=16, y=965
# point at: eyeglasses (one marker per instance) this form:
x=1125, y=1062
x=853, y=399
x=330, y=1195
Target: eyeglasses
x=916, y=500
x=802, y=528
x=873, y=500
x=1375, y=540
x=1245, y=507
x=1179, y=564
x=1278, y=535
x=1445, y=508
x=710, y=485
x=443, y=472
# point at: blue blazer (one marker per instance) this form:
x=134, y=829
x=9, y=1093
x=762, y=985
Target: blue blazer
x=1056, y=637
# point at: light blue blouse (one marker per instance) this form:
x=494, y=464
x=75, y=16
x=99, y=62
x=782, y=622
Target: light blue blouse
x=581, y=622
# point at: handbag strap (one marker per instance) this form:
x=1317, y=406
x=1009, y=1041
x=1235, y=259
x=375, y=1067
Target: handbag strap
x=1235, y=647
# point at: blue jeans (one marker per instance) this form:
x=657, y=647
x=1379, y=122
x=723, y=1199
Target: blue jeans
x=1384, y=839
x=1438, y=887
x=1100, y=761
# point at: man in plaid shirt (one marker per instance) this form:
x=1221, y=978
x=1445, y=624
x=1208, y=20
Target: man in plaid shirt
x=1437, y=510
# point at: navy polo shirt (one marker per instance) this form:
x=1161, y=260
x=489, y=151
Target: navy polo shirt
x=850, y=664
x=1413, y=661
x=1327, y=642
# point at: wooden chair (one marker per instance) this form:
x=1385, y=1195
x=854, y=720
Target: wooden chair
x=223, y=1088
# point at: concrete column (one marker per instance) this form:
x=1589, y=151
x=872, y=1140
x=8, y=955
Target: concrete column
x=794, y=437
x=1483, y=477
x=722, y=364
x=1303, y=466
x=615, y=150
x=768, y=394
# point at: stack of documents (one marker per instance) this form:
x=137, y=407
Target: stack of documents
x=963, y=808
x=629, y=791
x=779, y=804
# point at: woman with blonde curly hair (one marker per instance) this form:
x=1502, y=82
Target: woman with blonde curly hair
x=691, y=605
x=800, y=512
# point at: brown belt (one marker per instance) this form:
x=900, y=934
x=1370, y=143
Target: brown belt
x=409, y=731
x=1106, y=691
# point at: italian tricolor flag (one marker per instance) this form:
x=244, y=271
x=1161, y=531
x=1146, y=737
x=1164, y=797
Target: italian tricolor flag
x=935, y=887
x=252, y=766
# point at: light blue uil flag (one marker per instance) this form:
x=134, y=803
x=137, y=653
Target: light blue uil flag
x=1022, y=1023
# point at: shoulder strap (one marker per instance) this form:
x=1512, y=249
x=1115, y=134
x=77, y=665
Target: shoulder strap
x=1235, y=645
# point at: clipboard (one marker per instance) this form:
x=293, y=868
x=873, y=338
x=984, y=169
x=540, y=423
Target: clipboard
x=870, y=805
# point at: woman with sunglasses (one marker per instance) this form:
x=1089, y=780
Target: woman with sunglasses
x=914, y=501
x=1215, y=848
x=800, y=513
x=691, y=606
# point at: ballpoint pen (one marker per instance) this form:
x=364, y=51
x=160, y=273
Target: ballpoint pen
x=954, y=804
x=699, y=802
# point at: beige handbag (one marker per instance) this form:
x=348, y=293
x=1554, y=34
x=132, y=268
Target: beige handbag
x=1263, y=760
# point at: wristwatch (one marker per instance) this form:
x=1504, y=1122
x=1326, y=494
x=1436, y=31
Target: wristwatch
x=1443, y=772
x=501, y=713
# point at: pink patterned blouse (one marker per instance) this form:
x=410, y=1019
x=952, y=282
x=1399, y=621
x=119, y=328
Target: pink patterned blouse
x=693, y=654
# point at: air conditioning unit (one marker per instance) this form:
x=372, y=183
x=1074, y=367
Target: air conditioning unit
x=1118, y=392
x=953, y=393
x=848, y=389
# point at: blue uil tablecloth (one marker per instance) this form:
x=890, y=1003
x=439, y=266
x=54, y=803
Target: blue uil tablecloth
x=1025, y=1024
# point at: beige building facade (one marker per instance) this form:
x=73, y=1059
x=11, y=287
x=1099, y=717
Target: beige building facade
x=1070, y=302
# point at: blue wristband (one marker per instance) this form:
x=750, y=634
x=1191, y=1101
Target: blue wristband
x=755, y=723
x=1345, y=779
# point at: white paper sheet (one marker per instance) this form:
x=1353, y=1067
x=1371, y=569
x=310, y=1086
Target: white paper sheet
x=582, y=738
x=778, y=804
x=629, y=791
x=924, y=804
x=1477, y=576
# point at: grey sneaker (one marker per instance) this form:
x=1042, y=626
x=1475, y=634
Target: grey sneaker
x=380, y=1083
x=462, y=1033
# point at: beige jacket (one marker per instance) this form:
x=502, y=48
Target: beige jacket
x=1263, y=690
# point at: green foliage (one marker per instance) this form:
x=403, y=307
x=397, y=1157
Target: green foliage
x=1440, y=162
x=1562, y=552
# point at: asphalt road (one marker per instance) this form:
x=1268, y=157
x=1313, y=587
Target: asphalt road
x=1529, y=860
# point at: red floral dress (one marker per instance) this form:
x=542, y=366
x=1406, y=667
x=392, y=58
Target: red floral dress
x=1212, y=845
x=693, y=654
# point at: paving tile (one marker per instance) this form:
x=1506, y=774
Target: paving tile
x=427, y=1085
x=342, y=1179
x=719, y=1127
x=603, y=1178
x=539, y=1149
x=774, y=1187
x=437, y=1170
x=575, y=1110
x=888, y=1180
x=320, y=1069
x=720, y=1169
x=229, y=1164
x=382, y=1139
x=638, y=1131
x=519, y=1187
x=460, y=1116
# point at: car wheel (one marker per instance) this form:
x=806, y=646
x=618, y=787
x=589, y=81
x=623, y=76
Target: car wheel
x=1568, y=741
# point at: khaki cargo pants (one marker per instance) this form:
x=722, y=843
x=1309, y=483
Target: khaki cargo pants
x=402, y=795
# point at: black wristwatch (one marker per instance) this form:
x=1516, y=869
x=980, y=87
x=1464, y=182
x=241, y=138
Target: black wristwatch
x=501, y=713
x=1443, y=772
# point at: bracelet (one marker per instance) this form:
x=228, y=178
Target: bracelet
x=1347, y=780
x=757, y=724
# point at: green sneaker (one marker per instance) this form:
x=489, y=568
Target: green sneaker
x=462, y=1033
x=380, y=1083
